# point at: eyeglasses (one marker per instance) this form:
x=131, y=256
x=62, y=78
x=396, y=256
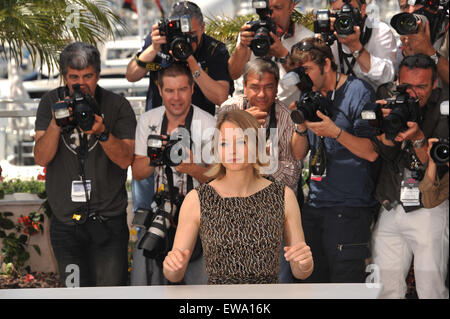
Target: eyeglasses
x=306, y=46
x=303, y=46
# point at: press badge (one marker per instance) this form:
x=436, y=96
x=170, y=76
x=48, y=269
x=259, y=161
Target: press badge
x=410, y=193
x=78, y=193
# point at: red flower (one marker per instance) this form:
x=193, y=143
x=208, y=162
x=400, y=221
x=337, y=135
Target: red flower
x=29, y=277
x=41, y=177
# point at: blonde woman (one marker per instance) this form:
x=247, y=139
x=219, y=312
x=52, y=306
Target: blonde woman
x=241, y=216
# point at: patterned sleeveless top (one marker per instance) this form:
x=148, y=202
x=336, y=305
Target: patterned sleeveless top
x=242, y=236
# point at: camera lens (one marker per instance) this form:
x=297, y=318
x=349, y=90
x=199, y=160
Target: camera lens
x=439, y=152
x=181, y=49
x=344, y=25
x=261, y=42
x=406, y=23
x=392, y=125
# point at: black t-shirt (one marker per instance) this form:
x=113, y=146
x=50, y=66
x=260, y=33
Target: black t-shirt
x=213, y=57
x=108, y=196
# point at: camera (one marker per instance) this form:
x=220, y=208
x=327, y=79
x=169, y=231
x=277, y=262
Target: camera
x=406, y=23
x=322, y=26
x=439, y=151
x=310, y=102
x=159, y=221
x=179, y=41
x=84, y=108
x=347, y=18
x=262, y=40
x=404, y=108
x=434, y=12
x=172, y=153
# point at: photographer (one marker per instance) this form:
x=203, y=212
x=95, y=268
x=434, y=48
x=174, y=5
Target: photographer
x=339, y=211
x=86, y=169
x=176, y=87
x=430, y=36
x=405, y=228
x=287, y=34
x=207, y=61
x=434, y=189
x=369, y=51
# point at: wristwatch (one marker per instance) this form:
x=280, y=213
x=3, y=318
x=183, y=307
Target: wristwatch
x=304, y=133
x=282, y=60
x=356, y=54
x=104, y=136
x=419, y=143
x=196, y=74
x=435, y=57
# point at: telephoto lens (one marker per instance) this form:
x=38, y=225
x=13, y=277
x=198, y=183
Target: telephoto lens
x=406, y=23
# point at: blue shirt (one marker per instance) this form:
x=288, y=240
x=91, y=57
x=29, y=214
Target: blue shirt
x=349, y=180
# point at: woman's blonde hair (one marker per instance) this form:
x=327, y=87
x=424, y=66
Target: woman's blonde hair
x=244, y=121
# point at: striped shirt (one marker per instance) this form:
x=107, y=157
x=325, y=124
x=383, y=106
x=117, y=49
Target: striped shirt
x=289, y=170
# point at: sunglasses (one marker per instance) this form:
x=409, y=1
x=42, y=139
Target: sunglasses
x=188, y=5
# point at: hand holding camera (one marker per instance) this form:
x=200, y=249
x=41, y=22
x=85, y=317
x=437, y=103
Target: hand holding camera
x=397, y=117
x=419, y=42
x=79, y=110
x=262, y=29
x=438, y=151
x=176, y=31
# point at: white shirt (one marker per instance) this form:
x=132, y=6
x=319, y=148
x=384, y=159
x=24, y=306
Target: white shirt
x=285, y=95
x=382, y=48
x=202, y=131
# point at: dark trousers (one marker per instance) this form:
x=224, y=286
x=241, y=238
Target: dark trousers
x=82, y=260
x=339, y=241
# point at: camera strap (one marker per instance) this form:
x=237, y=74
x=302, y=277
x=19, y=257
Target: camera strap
x=187, y=125
x=364, y=38
x=82, y=152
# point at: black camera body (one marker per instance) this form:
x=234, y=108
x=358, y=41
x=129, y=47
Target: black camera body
x=160, y=223
x=179, y=41
x=439, y=151
x=347, y=18
x=160, y=154
x=262, y=40
x=404, y=108
x=84, y=108
x=310, y=102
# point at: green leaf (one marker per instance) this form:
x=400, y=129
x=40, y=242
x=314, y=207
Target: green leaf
x=6, y=224
x=23, y=239
x=38, y=250
x=7, y=214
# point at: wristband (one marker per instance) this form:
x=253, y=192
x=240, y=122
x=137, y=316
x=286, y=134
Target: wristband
x=304, y=133
x=104, y=136
x=150, y=66
x=339, y=134
x=196, y=74
x=419, y=143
